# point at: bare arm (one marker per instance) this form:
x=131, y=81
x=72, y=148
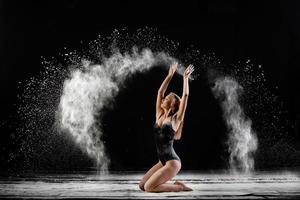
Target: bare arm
x=185, y=93
x=163, y=88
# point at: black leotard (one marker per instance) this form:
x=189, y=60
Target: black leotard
x=164, y=137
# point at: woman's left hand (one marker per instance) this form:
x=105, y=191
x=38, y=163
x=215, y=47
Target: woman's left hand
x=172, y=69
x=188, y=71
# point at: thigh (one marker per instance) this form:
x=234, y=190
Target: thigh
x=151, y=171
x=164, y=174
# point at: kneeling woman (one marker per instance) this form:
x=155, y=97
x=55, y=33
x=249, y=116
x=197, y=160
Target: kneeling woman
x=168, y=126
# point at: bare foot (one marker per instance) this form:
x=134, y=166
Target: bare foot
x=185, y=188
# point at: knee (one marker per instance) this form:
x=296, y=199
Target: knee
x=179, y=166
x=148, y=187
x=141, y=185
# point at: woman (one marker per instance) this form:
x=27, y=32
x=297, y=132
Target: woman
x=170, y=112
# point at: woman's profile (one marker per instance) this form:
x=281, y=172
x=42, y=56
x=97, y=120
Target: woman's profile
x=170, y=112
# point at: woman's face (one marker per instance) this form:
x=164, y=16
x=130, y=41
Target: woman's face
x=166, y=102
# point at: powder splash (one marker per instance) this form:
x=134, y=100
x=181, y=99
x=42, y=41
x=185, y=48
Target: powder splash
x=93, y=87
x=67, y=97
x=242, y=141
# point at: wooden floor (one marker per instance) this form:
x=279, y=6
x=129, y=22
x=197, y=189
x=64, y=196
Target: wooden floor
x=124, y=185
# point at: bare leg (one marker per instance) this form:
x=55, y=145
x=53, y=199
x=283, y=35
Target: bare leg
x=157, y=182
x=149, y=174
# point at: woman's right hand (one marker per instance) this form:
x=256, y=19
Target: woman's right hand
x=172, y=69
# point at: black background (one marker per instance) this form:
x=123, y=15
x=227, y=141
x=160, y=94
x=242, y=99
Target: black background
x=268, y=33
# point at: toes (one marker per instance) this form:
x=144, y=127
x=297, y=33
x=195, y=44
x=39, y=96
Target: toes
x=188, y=189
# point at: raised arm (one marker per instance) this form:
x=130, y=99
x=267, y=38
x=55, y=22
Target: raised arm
x=185, y=93
x=162, y=89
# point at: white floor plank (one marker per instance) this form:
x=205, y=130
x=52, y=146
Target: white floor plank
x=124, y=185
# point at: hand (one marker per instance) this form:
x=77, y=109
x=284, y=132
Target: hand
x=172, y=69
x=188, y=71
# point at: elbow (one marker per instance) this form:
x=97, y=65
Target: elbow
x=160, y=93
x=185, y=95
x=180, y=118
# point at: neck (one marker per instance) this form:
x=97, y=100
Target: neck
x=166, y=112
